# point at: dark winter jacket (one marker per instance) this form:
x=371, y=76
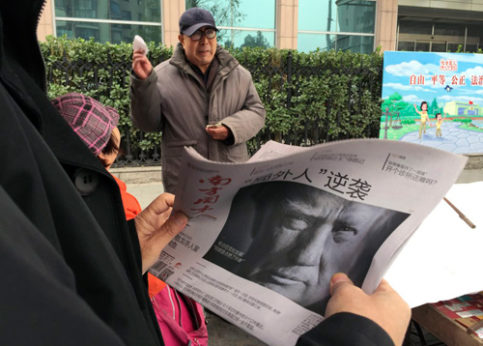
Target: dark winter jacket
x=60, y=195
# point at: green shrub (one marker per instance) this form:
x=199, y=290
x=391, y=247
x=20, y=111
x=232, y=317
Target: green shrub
x=408, y=121
x=463, y=120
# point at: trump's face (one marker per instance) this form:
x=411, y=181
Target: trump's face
x=304, y=238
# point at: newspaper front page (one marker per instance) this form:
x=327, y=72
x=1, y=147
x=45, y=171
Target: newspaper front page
x=265, y=236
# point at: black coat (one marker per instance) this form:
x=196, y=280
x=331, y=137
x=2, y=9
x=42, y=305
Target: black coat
x=45, y=170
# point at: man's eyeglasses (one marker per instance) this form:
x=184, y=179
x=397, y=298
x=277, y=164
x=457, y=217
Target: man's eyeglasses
x=209, y=33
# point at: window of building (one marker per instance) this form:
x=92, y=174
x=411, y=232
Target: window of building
x=416, y=27
x=109, y=20
x=336, y=24
x=438, y=36
x=242, y=23
x=474, y=37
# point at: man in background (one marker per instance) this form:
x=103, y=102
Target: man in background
x=201, y=97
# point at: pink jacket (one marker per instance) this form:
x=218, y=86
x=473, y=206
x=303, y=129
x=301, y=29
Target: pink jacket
x=180, y=318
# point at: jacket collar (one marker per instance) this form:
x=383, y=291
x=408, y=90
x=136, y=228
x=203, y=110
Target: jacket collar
x=18, y=37
x=62, y=140
x=23, y=74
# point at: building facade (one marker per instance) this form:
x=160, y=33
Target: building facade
x=462, y=109
x=440, y=26
x=306, y=25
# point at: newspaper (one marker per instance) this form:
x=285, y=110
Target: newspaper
x=265, y=236
x=442, y=260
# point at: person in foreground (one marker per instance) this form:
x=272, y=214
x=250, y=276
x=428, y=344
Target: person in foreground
x=201, y=97
x=68, y=277
x=71, y=266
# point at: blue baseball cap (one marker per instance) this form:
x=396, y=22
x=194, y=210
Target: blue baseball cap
x=193, y=19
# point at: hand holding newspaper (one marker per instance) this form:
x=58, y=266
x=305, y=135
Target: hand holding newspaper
x=265, y=236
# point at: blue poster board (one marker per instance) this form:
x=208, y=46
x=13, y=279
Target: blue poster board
x=434, y=99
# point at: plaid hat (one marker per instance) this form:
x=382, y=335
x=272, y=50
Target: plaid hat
x=195, y=18
x=91, y=120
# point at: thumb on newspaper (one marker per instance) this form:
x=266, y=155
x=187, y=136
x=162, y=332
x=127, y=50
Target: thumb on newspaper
x=337, y=280
x=156, y=226
x=384, y=307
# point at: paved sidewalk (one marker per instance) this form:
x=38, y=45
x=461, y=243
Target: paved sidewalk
x=454, y=139
x=145, y=193
x=143, y=182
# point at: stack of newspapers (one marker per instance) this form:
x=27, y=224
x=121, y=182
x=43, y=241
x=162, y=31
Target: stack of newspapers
x=265, y=236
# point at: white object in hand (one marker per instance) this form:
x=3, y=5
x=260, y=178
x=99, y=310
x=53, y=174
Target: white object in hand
x=139, y=44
